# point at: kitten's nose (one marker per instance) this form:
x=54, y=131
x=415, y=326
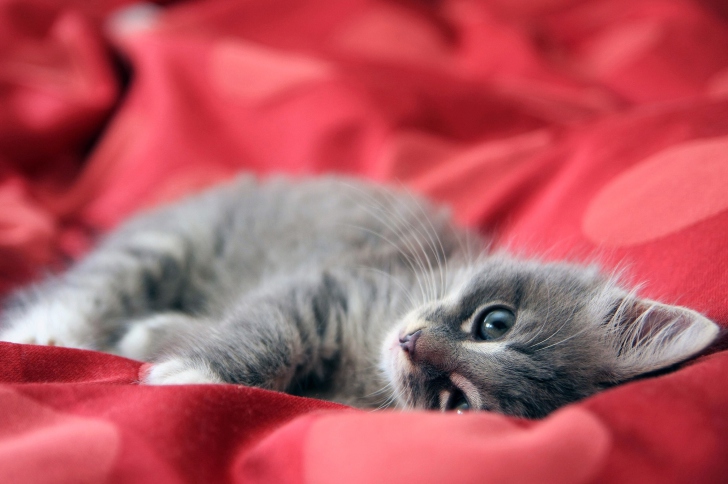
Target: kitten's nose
x=407, y=342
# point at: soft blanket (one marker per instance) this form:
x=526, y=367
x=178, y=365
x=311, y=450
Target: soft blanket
x=592, y=130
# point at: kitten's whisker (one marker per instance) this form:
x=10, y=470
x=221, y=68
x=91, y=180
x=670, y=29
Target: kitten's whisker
x=394, y=396
x=430, y=274
x=433, y=234
x=377, y=392
x=433, y=240
x=386, y=404
x=387, y=397
x=398, y=231
x=563, y=340
x=548, y=313
x=404, y=254
x=566, y=321
x=405, y=290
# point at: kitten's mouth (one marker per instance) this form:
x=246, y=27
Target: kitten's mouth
x=458, y=395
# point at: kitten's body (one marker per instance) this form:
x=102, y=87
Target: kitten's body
x=352, y=293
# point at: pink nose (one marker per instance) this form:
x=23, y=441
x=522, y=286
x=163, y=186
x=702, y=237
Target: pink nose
x=407, y=342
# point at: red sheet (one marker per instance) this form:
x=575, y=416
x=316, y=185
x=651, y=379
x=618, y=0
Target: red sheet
x=588, y=130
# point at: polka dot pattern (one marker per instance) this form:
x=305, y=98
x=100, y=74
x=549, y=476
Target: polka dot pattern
x=668, y=192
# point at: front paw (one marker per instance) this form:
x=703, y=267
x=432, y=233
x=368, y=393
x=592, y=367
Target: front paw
x=50, y=326
x=179, y=371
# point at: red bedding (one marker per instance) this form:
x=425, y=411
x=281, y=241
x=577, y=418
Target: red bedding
x=587, y=130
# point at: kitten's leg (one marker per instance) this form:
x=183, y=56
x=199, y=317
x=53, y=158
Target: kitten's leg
x=263, y=342
x=158, y=261
x=134, y=273
x=304, y=329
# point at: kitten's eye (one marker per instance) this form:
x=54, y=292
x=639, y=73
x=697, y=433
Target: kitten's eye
x=494, y=323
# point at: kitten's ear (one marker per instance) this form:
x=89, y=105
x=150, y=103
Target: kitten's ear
x=648, y=335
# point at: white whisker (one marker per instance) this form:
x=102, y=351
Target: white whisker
x=563, y=340
x=397, y=231
x=433, y=237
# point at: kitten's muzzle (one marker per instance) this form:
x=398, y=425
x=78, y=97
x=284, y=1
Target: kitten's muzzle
x=407, y=342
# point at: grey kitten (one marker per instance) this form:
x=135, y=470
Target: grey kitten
x=354, y=293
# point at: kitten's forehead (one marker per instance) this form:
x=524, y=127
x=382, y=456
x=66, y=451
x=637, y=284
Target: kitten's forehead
x=518, y=283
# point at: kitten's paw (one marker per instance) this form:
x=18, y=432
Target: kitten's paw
x=50, y=326
x=148, y=337
x=137, y=343
x=180, y=371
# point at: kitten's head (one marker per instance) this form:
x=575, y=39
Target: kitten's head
x=525, y=338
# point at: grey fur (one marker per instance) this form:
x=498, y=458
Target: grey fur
x=307, y=287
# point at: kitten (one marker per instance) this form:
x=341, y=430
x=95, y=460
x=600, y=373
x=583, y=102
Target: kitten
x=354, y=293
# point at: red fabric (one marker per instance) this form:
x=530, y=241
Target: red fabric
x=590, y=130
